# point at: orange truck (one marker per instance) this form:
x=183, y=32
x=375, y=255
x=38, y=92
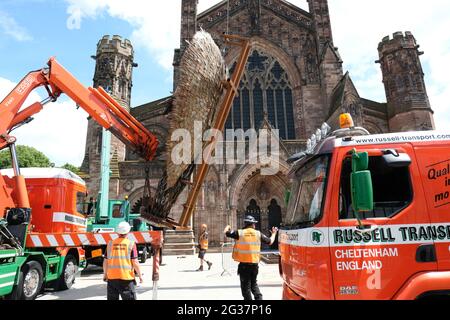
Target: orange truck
x=368, y=217
x=43, y=234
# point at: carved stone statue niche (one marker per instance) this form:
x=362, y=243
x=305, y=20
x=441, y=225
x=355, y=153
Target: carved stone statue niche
x=254, y=9
x=311, y=69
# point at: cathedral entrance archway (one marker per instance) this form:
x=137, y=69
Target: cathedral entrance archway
x=262, y=197
x=251, y=192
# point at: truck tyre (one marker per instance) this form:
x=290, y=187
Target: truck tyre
x=17, y=290
x=67, y=278
x=30, y=284
x=144, y=256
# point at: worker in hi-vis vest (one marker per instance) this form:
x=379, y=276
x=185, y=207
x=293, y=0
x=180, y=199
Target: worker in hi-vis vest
x=203, y=244
x=121, y=265
x=247, y=251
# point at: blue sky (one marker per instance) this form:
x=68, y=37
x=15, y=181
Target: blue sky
x=44, y=23
x=33, y=30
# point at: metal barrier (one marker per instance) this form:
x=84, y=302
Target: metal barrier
x=228, y=264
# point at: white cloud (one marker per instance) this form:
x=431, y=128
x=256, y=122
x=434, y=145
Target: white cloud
x=10, y=27
x=358, y=27
x=156, y=27
x=59, y=131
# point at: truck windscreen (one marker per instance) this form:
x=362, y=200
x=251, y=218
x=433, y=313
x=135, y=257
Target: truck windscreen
x=306, y=203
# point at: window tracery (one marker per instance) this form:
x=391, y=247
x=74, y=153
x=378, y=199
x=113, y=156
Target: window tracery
x=264, y=89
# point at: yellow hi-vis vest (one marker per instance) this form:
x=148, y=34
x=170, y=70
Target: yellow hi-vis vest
x=248, y=248
x=203, y=242
x=119, y=260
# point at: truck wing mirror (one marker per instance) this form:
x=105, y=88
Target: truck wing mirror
x=362, y=191
x=397, y=160
x=361, y=184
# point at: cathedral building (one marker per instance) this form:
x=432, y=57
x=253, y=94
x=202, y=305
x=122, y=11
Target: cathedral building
x=294, y=81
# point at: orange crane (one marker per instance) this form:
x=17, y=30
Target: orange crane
x=52, y=254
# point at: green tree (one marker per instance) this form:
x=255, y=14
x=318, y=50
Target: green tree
x=29, y=157
x=71, y=167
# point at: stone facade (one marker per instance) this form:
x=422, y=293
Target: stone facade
x=294, y=81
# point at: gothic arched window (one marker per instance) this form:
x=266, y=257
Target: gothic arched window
x=265, y=88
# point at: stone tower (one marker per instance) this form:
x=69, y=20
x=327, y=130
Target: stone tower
x=408, y=104
x=322, y=23
x=113, y=72
x=188, y=30
x=330, y=62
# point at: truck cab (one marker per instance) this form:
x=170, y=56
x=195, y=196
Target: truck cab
x=369, y=218
x=55, y=197
x=118, y=211
x=106, y=222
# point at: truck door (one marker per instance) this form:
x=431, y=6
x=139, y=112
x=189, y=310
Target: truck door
x=116, y=212
x=303, y=240
x=434, y=164
x=374, y=263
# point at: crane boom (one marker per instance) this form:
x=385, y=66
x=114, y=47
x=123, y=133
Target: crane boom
x=107, y=112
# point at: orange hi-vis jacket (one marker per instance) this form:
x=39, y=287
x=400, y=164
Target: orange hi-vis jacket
x=119, y=262
x=248, y=248
x=204, y=242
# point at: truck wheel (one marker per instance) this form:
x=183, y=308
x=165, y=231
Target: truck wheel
x=33, y=278
x=144, y=255
x=67, y=278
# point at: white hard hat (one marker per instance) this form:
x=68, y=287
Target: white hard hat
x=123, y=228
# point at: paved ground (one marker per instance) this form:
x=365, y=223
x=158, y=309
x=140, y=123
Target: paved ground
x=178, y=281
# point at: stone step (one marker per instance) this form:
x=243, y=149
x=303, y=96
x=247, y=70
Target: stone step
x=168, y=239
x=176, y=232
x=179, y=246
x=178, y=252
x=179, y=240
x=190, y=234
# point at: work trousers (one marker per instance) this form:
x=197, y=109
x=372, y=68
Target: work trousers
x=248, y=274
x=124, y=288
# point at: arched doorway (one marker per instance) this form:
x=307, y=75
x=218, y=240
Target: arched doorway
x=261, y=190
x=275, y=218
x=262, y=198
x=255, y=211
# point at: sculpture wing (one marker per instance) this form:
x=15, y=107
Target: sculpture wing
x=200, y=86
x=199, y=90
